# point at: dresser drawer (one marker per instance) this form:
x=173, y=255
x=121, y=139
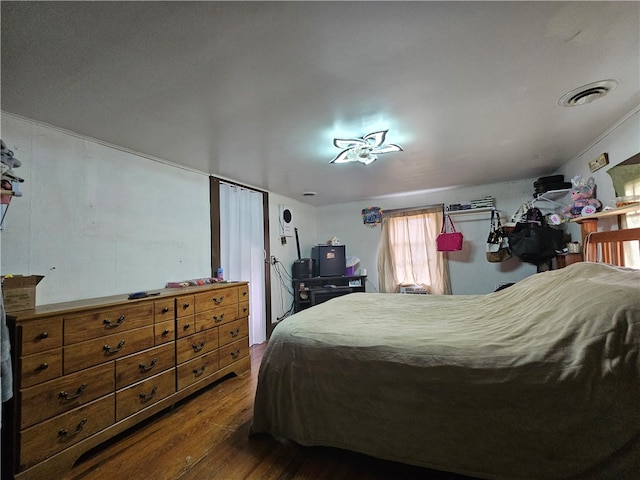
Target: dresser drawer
x=196, y=345
x=233, y=352
x=136, y=397
x=111, y=347
x=65, y=393
x=243, y=309
x=49, y=437
x=164, y=332
x=185, y=306
x=243, y=293
x=197, y=369
x=218, y=316
x=216, y=298
x=40, y=367
x=233, y=331
x=139, y=366
x=40, y=335
x=185, y=326
x=78, y=328
x=163, y=310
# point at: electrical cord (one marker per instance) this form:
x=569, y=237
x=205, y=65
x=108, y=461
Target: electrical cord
x=286, y=282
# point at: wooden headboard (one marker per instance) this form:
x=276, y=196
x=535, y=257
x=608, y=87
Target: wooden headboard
x=609, y=247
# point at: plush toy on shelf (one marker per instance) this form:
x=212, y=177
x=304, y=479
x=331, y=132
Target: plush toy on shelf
x=583, y=198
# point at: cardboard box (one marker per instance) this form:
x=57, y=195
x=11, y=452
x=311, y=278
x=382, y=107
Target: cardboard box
x=19, y=292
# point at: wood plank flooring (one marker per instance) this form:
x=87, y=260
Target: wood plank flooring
x=205, y=437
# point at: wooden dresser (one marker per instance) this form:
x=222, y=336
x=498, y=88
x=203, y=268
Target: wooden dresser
x=85, y=371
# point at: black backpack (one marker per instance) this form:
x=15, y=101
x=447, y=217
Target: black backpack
x=533, y=241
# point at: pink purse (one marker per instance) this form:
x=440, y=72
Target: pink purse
x=448, y=241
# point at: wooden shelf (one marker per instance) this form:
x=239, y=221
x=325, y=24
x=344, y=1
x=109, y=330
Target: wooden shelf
x=614, y=212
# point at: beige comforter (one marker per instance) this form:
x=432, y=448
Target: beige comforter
x=537, y=381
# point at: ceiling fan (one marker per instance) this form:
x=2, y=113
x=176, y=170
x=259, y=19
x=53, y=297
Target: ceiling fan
x=364, y=150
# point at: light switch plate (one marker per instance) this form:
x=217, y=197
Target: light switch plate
x=598, y=162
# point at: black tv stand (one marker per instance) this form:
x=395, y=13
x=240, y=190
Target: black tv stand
x=308, y=292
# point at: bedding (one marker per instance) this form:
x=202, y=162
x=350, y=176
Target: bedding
x=536, y=381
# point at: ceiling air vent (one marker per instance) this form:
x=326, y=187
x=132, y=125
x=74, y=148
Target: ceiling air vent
x=587, y=93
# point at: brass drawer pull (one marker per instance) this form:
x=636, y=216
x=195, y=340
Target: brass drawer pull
x=234, y=333
x=63, y=432
x=196, y=347
x=219, y=300
x=144, y=368
x=144, y=398
x=43, y=366
x=235, y=354
x=218, y=319
x=108, y=324
x=165, y=309
x=65, y=396
x=43, y=335
x=198, y=372
x=108, y=349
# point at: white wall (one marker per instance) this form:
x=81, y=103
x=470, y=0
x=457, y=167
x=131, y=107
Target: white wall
x=619, y=142
x=304, y=219
x=99, y=221
x=95, y=219
x=470, y=271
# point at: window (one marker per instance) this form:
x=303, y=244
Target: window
x=407, y=254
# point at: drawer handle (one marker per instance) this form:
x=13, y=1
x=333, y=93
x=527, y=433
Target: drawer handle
x=165, y=309
x=43, y=335
x=185, y=305
x=186, y=326
x=244, y=294
x=200, y=371
x=144, y=398
x=218, y=319
x=196, y=347
x=108, y=349
x=144, y=368
x=165, y=332
x=234, y=333
x=43, y=366
x=108, y=324
x=218, y=301
x=65, y=396
x=235, y=354
x=244, y=309
x=63, y=432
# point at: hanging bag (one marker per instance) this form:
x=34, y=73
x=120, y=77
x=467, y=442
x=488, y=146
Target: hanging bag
x=533, y=241
x=448, y=241
x=498, y=241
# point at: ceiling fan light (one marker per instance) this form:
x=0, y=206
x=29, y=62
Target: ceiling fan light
x=363, y=149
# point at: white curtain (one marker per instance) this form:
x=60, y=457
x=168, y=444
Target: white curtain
x=407, y=253
x=242, y=250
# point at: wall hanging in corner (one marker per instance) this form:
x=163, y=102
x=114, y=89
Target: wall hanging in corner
x=372, y=216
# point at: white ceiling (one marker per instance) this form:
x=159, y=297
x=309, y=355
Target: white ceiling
x=256, y=91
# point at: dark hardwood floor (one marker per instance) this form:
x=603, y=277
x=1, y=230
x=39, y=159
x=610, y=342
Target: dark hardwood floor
x=205, y=437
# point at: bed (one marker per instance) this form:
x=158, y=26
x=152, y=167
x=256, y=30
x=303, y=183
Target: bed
x=540, y=380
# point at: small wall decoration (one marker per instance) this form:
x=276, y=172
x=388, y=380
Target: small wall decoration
x=372, y=216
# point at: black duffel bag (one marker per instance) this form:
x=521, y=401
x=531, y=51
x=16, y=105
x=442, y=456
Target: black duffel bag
x=533, y=241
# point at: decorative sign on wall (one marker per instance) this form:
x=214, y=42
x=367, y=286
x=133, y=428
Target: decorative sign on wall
x=372, y=216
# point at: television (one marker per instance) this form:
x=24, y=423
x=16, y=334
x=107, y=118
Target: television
x=329, y=260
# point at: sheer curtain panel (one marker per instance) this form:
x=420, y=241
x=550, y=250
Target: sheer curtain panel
x=242, y=249
x=407, y=253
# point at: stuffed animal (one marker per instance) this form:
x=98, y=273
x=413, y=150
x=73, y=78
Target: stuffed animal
x=583, y=198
